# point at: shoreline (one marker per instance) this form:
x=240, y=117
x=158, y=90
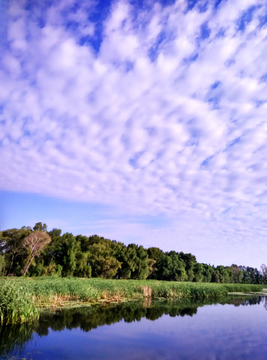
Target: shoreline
x=21, y=299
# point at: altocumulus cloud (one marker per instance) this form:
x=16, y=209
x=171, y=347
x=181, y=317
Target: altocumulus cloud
x=157, y=109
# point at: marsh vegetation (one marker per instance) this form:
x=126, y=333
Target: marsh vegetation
x=21, y=298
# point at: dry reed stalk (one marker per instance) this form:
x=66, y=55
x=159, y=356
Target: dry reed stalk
x=147, y=291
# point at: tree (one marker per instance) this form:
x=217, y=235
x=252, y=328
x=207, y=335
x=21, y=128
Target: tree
x=11, y=245
x=141, y=270
x=155, y=254
x=127, y=259
x=237, y=273
x=34, y=243
x=207, y=273
x=250, y=275
x=151, y=266
x=2, y=264
x=82, y=268
x=216, y=276
x=171, y=268
x=198, y=272
x=40, y=227
x=190, y=261
x=226, y=274
x=264, y=273
x=104, y=263
x=69, y=249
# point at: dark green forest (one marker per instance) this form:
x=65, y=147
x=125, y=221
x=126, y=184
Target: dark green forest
x=39, y=252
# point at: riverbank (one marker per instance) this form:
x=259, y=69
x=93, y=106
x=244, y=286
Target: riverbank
x=21, y=298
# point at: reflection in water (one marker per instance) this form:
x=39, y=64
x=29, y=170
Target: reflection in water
x=13, y=338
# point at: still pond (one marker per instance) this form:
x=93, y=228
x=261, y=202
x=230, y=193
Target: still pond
x=234, y=328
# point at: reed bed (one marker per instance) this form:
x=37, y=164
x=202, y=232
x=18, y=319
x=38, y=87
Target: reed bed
x=20, y=298
x=16, y=304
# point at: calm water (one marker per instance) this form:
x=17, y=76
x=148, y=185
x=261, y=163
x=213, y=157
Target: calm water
x=233, y=329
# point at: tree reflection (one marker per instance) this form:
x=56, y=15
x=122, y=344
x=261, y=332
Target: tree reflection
x=13, y=338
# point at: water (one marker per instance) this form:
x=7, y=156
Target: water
x=232, y=329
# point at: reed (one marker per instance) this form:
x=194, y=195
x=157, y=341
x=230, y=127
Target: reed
x=16, y=304
x=20, y=298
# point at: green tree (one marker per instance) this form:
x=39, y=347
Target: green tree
x=83, y=269
x=40, y=227
x=198, y=272
x=103, y=263
x=127, y=258
x=216, y=276
x=250, y=275
x=189, y=261
x=2, y=265
x=155, y=254
x=237, y=274
x=226, y=274
x=69, y=249
x=264, y=273
x=171, y=267
x=141, y=269
x=11, y=245
x=151, y=266
x=207, y=273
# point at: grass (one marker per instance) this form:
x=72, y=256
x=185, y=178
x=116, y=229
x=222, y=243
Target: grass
x=20, y=298
x=16, y=304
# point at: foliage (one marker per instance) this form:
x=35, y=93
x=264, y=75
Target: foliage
x=82, y=256
x=11, y=245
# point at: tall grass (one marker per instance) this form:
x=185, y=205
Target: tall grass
x=20, y=298
x=16, y=304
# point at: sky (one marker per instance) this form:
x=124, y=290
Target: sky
x=140, y=121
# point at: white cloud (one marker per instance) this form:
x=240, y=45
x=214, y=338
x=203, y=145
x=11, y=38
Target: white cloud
x=160, y=119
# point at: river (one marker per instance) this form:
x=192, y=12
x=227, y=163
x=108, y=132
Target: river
x=233, y=328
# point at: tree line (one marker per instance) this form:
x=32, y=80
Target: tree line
x=37, y=252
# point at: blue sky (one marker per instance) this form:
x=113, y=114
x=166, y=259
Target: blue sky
x=141, y=121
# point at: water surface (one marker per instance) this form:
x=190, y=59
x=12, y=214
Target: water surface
x=235, y=328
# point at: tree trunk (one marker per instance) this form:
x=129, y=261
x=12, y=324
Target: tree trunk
x=28, y=265
x=11, y=264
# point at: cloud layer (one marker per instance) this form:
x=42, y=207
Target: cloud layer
x=155, y=109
